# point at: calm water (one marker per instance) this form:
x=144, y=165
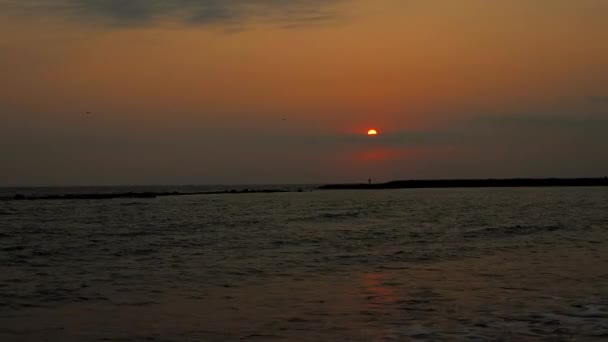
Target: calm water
x=464, y=264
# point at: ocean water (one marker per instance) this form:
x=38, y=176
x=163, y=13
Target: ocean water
x=381, y=265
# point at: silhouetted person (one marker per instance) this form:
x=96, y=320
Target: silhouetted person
x=369, y=181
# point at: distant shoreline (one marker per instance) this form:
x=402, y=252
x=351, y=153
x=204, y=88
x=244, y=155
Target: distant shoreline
x=132, y=195
x=472, y=183
x=400, y=184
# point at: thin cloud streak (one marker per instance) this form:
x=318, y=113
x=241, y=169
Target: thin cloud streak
x=287, y=13
x=477, y=131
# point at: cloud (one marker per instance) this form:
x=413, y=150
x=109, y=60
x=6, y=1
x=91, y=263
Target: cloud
x=480, y=131
x=392, y=139
x=579, y=124
x=289, y=13
x=598, y=99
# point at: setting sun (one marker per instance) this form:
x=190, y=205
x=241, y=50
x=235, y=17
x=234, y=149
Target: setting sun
x=372, y=132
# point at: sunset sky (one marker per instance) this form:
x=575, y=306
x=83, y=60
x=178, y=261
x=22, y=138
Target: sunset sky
x=100, y=92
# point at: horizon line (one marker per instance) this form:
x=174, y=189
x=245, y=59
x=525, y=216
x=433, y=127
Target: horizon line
x=295, y=183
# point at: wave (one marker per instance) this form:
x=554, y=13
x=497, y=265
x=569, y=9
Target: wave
x=507, y=231
x=126, y=234
x=133, y=204
x=330, y=216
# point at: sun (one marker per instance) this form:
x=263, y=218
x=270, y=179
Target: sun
x=372, y=132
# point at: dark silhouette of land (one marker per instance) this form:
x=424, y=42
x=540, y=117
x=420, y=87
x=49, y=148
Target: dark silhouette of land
x=472, y=183
x=132, y=195
x=401, y=184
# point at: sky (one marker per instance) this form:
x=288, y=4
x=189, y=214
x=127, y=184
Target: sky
x=120, y=92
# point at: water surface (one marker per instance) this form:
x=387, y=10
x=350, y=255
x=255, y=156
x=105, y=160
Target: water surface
x=466, y=264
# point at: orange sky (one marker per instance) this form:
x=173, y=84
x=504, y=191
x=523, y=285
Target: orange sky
x=273, y=79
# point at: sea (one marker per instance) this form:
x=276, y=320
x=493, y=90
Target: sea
x=491, y=264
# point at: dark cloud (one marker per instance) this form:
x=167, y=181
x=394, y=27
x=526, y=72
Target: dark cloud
x=580, y=124
x=288, y=13
x=392, y=139
x=38, y=149
x=512, y=130
x=598, y=99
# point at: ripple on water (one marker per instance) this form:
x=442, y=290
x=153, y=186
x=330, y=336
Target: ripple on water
x=507, y=231
x=207, y=249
